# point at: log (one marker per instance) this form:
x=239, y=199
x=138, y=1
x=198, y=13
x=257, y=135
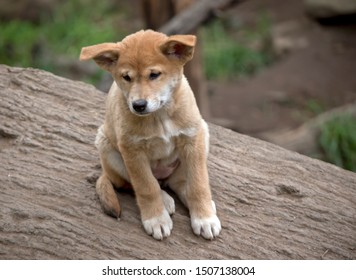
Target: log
x=188, y=20
x=273, y=203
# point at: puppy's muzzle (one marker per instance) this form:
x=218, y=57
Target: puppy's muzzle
x=139, y=106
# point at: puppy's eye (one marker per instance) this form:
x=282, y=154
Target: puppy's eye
x=154, y=76
x=127, y=78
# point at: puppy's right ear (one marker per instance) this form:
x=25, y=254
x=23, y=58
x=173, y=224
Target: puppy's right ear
x=105, y=55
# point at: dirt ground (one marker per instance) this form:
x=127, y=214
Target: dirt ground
x=318, y=69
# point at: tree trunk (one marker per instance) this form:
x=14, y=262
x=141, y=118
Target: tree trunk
x=273, y=203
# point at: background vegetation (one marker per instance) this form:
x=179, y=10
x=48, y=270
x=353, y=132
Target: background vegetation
x=63, y=34
x=338, y=141
x=228, y=58
x=56, y=40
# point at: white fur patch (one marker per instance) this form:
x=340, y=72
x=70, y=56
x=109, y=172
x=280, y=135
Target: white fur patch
x=207, y=136
x=100, y=137
x=159, y=227
x=168, y=202
x=213, y=205
x=206, y=227
x=170, y=130
x=152, y=105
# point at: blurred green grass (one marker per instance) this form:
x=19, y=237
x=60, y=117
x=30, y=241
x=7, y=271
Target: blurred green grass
x=338, y=141
x=226, y=58
x=60, y=35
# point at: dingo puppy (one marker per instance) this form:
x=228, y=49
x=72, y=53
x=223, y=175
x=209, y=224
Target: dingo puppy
x=153, y=132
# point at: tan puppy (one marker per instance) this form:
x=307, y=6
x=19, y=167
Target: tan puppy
x=153, y=132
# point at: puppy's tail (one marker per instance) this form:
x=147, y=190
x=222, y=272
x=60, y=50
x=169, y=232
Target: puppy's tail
x=107, y=196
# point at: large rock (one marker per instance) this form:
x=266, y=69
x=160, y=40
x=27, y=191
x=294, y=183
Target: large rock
x=330, y=8
x=273, y=203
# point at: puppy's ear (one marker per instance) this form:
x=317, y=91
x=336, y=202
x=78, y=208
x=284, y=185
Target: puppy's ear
x=105, y=55
x=179, y=47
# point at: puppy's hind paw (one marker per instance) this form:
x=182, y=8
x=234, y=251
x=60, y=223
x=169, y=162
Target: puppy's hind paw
x=209, y=228
x=168, y=202
x=159, y=227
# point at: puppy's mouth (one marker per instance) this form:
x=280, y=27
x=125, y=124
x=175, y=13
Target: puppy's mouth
x=141, y=114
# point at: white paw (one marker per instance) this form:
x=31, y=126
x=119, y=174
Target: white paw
x=168, y=202
x=159, y=227
x=207, y=227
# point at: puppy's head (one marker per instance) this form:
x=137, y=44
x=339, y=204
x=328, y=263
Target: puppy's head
x=147, y=66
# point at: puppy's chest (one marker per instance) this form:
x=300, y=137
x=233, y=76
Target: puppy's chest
x=161, y=142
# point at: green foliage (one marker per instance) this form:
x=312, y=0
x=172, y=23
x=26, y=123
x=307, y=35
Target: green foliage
x=338, y=141
x=73, y=25
x=76, y=25
x=225, y=58
x=314, y=106
x=18, y=43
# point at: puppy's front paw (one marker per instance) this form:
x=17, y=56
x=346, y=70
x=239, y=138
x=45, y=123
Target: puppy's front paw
x=206, y=227
x=159, y=227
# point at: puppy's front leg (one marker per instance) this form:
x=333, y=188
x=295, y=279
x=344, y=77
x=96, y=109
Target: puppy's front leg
x=197, y=194
x=155, y=218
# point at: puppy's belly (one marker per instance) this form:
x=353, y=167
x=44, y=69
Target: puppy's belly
x=162, y=171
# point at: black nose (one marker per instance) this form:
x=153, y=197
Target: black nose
x=139, y=105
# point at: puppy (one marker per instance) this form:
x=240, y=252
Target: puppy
x=153, y=132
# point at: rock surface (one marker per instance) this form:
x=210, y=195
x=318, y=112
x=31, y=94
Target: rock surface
x=330, y=8
x=273, y=203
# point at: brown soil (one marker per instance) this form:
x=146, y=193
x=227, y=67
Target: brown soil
x=322, y=71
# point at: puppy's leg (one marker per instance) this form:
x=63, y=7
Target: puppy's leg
x=191, y=183
x=107, y=196
x=113, y=173
x=154, y=215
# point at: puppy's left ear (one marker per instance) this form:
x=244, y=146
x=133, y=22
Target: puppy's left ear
x=105, y=55
x=179, y=47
